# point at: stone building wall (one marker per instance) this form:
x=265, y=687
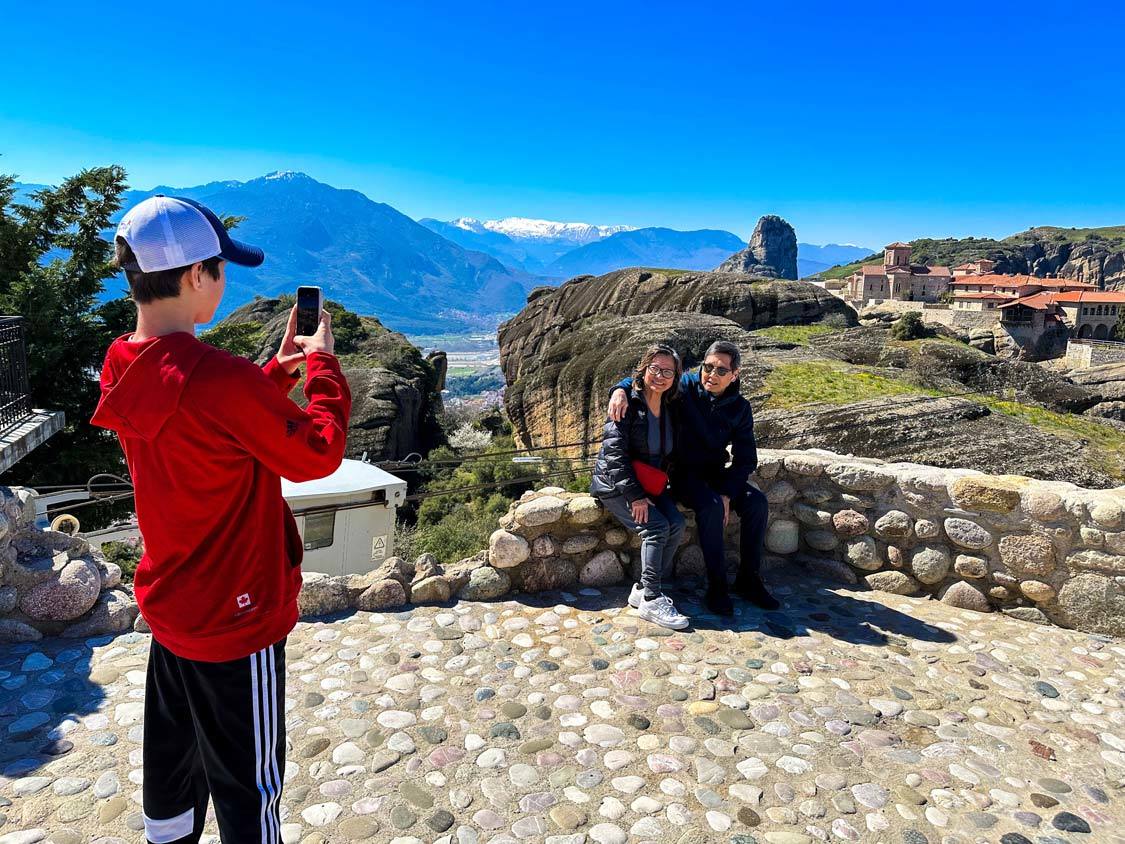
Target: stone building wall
x=52, y=583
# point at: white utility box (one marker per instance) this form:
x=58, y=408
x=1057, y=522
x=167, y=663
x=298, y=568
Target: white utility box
x=347, y=520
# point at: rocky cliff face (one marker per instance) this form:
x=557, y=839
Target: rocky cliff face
x=395, y=391
x=1093, y=255
x=772, y=251
x=561, y=353
x=1093, y=261
x=948, y=432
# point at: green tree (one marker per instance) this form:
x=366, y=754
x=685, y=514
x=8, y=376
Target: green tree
x=909, y=327
x=1119, y=329
x=242, y=338
x=54, y=260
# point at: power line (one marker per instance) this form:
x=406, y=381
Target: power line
x=423, y=467
x=104, y=500
x=479, y=455
x=422, y=496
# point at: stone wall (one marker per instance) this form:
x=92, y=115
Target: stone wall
x=958, y=319
x=1087, y=353
x=52, y=583
x=1041, y=551
x=1038, y=550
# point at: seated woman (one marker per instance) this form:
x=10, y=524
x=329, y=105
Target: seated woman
x=630, y=479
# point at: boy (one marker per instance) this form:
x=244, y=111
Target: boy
x=207, y=437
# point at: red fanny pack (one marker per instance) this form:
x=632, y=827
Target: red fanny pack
x=652, y=480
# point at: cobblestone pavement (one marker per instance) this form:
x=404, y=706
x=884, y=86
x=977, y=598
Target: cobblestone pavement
x=846, y=716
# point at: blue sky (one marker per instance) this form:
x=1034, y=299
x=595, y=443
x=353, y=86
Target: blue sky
x=858, y=122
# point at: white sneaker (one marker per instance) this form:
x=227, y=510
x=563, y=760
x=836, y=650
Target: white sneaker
x=636, y=595
x=660, y=610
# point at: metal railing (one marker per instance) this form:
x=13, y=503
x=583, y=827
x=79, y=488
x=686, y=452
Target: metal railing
x=15, y=394
x=1090, y=341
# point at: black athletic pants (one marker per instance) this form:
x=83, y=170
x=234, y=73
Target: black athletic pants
x=697, y=493
x=214, y=729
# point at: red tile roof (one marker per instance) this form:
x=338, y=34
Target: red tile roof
x=1037, y=301
x=897, y=245
x=873, y=269
x=1115, y=297
x=1040, y=301
x=998, y=280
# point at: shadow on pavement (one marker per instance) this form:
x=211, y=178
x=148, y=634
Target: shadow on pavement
x=809, y=605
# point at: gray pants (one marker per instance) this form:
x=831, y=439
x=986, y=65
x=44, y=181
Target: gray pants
x=660, y=536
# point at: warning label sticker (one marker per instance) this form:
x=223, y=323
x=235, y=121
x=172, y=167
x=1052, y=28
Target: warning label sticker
x=378, y=547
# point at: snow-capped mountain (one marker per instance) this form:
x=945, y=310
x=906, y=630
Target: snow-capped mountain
x=525, y=228
x=364, y=254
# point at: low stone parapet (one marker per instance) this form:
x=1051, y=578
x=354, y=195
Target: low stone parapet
x=1038, y=550
x=53, y=584
x=1042, y=551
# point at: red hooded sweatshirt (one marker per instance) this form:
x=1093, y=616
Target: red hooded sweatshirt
x=207, y=437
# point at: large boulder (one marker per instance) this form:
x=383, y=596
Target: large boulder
x=946, y=432
x=772, y=251
x=1093, y=603
x=114, y=612
x=602, y=569
x=395, y=390
x=321, y=594
x=65, y=597
x=1106, y=381
x=485, y=584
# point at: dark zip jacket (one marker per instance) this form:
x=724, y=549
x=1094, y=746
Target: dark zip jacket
x=626, y=441
x=707, y=427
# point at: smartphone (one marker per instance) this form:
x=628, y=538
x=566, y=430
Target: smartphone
x=310, y=300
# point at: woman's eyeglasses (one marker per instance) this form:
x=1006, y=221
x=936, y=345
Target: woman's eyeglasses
x=658, y=372
x=708, y=368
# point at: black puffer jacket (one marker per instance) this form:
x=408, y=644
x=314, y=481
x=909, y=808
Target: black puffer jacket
x=626, y=441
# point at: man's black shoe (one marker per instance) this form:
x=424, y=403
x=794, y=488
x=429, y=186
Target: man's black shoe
x=719, y=603
x=754, y=591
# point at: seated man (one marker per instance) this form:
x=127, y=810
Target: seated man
x=715, y=415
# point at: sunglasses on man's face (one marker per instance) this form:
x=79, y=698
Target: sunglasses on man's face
x=657, y=372
x=721, y=371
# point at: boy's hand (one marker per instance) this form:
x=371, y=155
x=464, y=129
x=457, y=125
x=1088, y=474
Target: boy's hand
x=322, y=341
x=289, y=356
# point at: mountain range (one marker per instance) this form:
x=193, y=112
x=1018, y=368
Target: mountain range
x=364, y=254
x=558, y=251
x=429, y=276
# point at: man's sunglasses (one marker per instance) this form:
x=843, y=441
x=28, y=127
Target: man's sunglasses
x=721, y=371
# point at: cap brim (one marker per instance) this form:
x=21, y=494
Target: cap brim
x=242, y=254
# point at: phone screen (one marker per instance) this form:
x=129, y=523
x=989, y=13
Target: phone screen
x=308, y=310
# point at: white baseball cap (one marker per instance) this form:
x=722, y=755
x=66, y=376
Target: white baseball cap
x=167, y=232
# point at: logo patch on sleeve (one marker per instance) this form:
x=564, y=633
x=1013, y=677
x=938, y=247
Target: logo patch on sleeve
x=243, y=600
